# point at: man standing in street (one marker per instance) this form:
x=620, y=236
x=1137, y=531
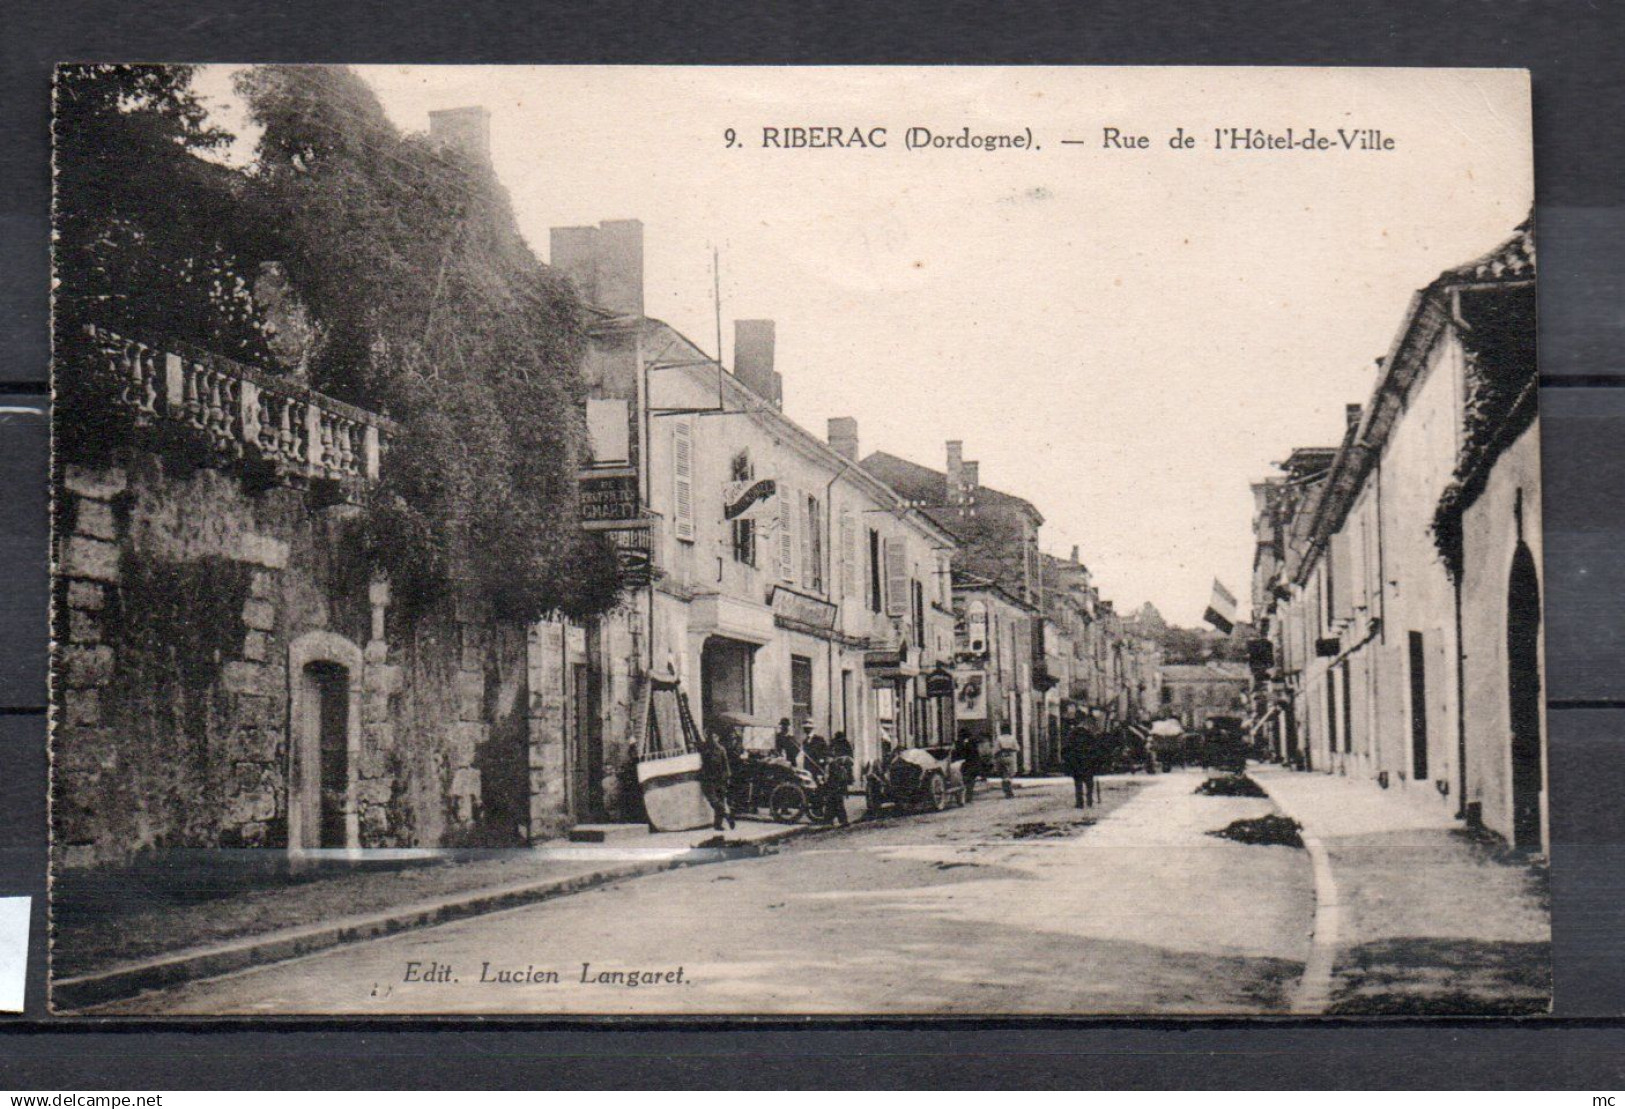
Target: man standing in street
x=838, y=776
x=1076, y=760
x=714, y=777
x=969, y=753
x=1005, y=756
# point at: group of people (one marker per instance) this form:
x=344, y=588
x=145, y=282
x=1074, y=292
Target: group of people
x=829, y=761
x=1086, y=753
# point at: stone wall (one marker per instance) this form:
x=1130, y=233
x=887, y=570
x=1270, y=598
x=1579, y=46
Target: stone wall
x=188, y=608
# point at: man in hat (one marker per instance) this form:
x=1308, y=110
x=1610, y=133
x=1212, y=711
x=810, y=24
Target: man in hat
x=784, y=742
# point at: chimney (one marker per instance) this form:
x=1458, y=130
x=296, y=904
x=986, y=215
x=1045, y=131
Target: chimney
x=956, y=463
x=843, y=437
x=1351, y=413
x=466, y=130
x=604, y=262
x=970, y=478
x=753, y=360
x=1074, y=552
x=620, y=266
x=573, y=251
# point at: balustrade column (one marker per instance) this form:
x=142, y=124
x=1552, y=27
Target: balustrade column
x=313, y=440
x=248, y=409
x=174, y=386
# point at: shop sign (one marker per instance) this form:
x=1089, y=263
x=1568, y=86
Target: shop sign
x=747, y=500
x=802, y=609
x=609, y=499
x=634, y=551
x=971, y=700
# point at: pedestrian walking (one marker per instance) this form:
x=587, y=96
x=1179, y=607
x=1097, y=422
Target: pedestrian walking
x=714, y=779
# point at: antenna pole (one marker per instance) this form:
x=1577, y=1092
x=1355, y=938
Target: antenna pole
x=716, y=296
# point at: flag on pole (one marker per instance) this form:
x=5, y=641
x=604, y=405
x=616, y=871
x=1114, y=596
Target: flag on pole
x=1221, y=608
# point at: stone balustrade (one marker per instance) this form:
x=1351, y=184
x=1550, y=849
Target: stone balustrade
x=244, y=412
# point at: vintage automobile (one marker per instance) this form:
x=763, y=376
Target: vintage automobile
x=915, y=778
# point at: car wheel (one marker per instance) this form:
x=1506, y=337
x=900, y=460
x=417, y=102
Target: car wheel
x=787, y=804
x=936, y=793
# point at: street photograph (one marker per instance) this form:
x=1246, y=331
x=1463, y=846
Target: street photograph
x=718, y=542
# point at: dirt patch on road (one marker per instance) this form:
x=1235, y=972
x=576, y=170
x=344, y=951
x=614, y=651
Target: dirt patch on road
x=1044, y=829
x=1264, y=831
x=1230, y=785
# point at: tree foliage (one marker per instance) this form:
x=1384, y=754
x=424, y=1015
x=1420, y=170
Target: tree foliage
x=147, y=234
x=426, y=304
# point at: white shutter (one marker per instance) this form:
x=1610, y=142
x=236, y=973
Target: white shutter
x=682, y=470
x=849, y=555
x=896, y=578
x=787, y=533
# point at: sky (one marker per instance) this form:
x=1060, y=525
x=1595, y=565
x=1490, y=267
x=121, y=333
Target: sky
x=1126, y=337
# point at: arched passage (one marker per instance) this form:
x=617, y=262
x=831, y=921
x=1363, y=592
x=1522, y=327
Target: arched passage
x=324, y=741
x=1524, y=696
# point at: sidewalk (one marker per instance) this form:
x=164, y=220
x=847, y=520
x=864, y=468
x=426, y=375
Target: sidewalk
x=1428, y=919
x=103, y=957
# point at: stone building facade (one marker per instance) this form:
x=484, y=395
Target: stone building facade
x=1401, y=595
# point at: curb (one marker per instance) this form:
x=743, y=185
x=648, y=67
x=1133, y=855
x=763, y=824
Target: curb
x=1313, y=994
x=68, y=995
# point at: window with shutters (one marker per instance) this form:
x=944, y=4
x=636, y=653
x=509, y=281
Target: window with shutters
x=787, y=533
x=874, y=571
x=805, y=521
x=849, y=556
x=896, y=578
x=813, y=545
x=744, y=531
x=682, y=470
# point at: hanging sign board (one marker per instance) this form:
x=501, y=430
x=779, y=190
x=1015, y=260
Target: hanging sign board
x=746, y=500
x=608, y=499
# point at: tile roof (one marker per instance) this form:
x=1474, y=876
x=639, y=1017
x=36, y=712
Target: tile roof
x=1513, y=260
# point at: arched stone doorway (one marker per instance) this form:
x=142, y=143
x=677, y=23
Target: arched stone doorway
x=1524, y=697
x=324, y=741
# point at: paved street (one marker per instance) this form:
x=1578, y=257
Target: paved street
x=1023, y=905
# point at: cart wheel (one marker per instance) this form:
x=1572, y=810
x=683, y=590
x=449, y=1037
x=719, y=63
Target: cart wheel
x=936, y=793
x=787, y=804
